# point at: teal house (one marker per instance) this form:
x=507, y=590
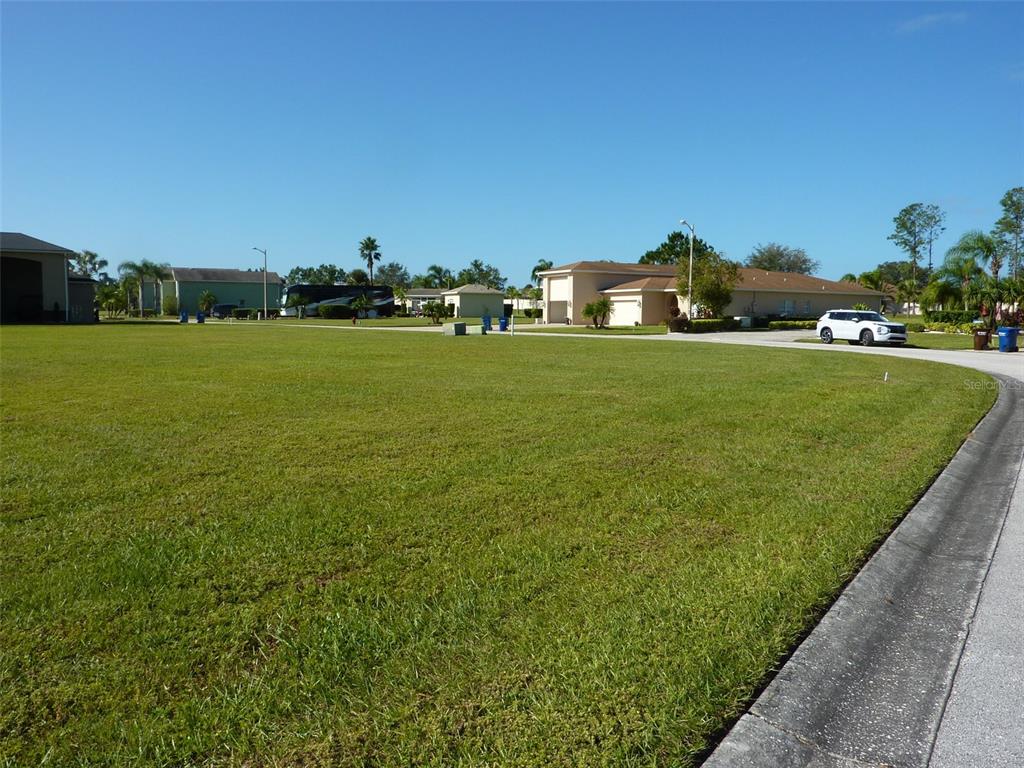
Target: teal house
x=230, y=286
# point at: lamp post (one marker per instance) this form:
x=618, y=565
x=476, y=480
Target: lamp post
x=263, y=251
x=689, y=281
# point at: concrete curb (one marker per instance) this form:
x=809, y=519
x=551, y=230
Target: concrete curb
x=869, y=685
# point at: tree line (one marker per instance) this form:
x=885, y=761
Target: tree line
x=971, y=275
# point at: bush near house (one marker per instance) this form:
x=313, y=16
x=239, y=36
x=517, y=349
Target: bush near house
x=336, y=312
x=792, y=325
x=955, y=316
x=714, y=325
x=241, y=313
x=170, y=304
x=915, y=327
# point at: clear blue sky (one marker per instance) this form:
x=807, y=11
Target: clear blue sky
x=188, y=133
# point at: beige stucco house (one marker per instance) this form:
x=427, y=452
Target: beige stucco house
x=645, y=294
x=475, y=300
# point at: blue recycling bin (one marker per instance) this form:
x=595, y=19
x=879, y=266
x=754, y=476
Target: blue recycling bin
x=1008, y=339
x=486, y=322
x=200, y=317
x=183, y=318
x=503, y=324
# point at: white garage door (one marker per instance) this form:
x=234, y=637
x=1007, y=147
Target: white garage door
x=624, y=312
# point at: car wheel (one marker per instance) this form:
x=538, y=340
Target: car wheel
x=826, y=336
x=867, y=338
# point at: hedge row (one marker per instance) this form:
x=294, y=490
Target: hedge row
x=792, y=325
x=956, y=317
x=713, y=326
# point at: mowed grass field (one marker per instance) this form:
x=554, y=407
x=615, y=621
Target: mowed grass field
x=260, y=545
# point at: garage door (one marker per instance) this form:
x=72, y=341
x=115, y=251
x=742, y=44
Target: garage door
x=624, y=312
x=557, y=311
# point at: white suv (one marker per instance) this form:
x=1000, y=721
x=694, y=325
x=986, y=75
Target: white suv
x=860, y=327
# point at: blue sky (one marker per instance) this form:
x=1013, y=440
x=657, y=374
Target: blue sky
x=188, y=133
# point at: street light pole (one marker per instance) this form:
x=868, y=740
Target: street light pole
x=263, y=251
x=689, y=281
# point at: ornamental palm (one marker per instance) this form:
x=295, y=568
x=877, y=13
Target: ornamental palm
x=137, y=272
x=962, y=270
x=439, y=277
x=157, y=273
x=906, y=293
x=982, y=247
x=542, y=266
x=370, y=252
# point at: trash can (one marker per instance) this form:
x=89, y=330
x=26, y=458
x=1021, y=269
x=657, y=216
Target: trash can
x=486, y=322
x=183, y=318
x=200, y=317
x=980, y=340
x=1008, y=339
x=502, y=324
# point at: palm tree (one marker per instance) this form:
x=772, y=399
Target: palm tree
x=849, y=277
x=542, y=266
x=206, y=301
x=370, y=252
x=513, y=293
x=137, y=272
x=982, y=247
x=938, y=293
x=157, y=273
x=400, y=295
x=906, y=293
x=876, y=282
x=439, y=277
x=963, y=271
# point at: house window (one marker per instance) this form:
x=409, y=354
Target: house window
x=807, y=307
x=788, y=307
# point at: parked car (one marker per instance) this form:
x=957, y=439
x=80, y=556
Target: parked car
x=860, y=327
x=222, y=311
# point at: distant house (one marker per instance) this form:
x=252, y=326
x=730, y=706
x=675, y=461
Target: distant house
x=645, y=294
x=229, y=286
x=36, y=284
x=475, y=300
x=415, y=298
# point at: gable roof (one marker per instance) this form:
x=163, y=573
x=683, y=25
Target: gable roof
x=615, y=268
x=473, y=288
x=650, y=276
x=417, y=293
x=16, y=241
x=646, y=284
x=202, y=275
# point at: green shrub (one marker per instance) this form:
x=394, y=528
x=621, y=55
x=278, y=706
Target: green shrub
x=170, y=305
x=336, y=311
x=792, y=325
x=915, y=327
x=713, y=326
x=678, y=324
x=240, y=313
x=955, y=317
x=532, y=312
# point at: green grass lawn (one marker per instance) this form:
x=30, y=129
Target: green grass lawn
x=242, y=545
